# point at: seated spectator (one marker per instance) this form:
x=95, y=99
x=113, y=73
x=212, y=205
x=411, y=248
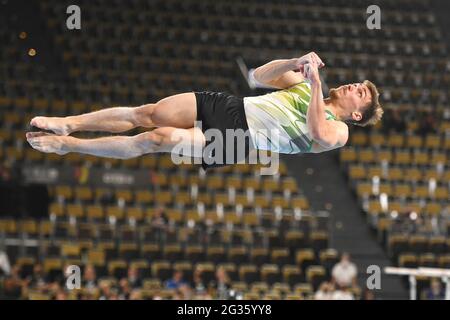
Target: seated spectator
x=325, y=291
x=427, y=124
x=176, y=281
x=124, y=289
x=5, y=267
x=393, y=122
x=222, y=284
x=60, y=295
x=134, y=279
x=198, y=281
x=344, y=272
x=183, y=292
x=89, y=277
x=114, y=294
x=37, y=280
x=435, y=291
x=159, y=219
x=342, y=294
x=105, y=290
x=136, y=295
x=14, y=288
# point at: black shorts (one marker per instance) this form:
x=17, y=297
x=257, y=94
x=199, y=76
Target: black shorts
x=222, y=111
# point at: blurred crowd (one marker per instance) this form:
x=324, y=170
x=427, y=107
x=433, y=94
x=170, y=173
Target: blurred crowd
x=14, y=285
x=396, y=121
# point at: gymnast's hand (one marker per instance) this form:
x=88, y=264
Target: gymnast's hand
x=311, y=72
x=308, y=58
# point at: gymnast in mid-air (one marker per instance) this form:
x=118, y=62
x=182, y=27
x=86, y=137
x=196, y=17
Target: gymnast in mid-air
x=304, y=121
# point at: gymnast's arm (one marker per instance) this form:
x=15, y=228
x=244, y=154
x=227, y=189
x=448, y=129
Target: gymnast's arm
x=279, y=73
x=328, y=134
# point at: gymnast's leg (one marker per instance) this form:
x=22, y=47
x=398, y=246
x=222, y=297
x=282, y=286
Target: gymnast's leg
x=177, y=111
x=164, y=139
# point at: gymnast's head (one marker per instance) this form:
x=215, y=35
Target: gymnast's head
x=358, y=103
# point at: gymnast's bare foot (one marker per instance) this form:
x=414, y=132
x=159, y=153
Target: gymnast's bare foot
x=60, y=126
x=48, y=143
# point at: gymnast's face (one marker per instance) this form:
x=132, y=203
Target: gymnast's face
x=352, y=98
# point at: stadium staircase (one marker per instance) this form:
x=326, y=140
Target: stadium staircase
x=326, y=188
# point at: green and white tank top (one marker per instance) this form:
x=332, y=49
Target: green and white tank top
x=277, y=120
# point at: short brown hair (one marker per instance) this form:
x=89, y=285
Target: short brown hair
x=372, y=113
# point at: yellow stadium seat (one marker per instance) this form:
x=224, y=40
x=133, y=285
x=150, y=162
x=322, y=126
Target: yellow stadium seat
x=95, y=212
x=250, y=219
x=215, y=182
x=441, y=193
x=289, y=184
x=144, y=196
x=375, y=170
x=204, y=198
x=193, y=215
x=438, y=157
x=395, y=141
x=414, y=141
x=57, y=209
x=83, y=193
x=115, y=211
x=163, y=197
x=280, y=201
x=433, y=142
x=395, y=173
x=75, y=210
x=359, y=139
x=395, y=206
x=412, y=174
x=402, y=157
x=222, y=197
x=347, y=154
x=366, y=156
x=357, y=172
x=420, y=158
x=376, y=139
x=64, y=192
x=160, y=179
x=402, y=190
x=70, y=250
x=433, y=208
x=407, y=261
x=252, y=183
x=304, y=289
x=175, y=215
x=421, y=191
x=125, y=195
x=261, y=201
x=234, y=182
x=363, y=189
x=300, y=202
x=135, y=213
x=385, y=155
x=374, y=207
x=315, y=275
